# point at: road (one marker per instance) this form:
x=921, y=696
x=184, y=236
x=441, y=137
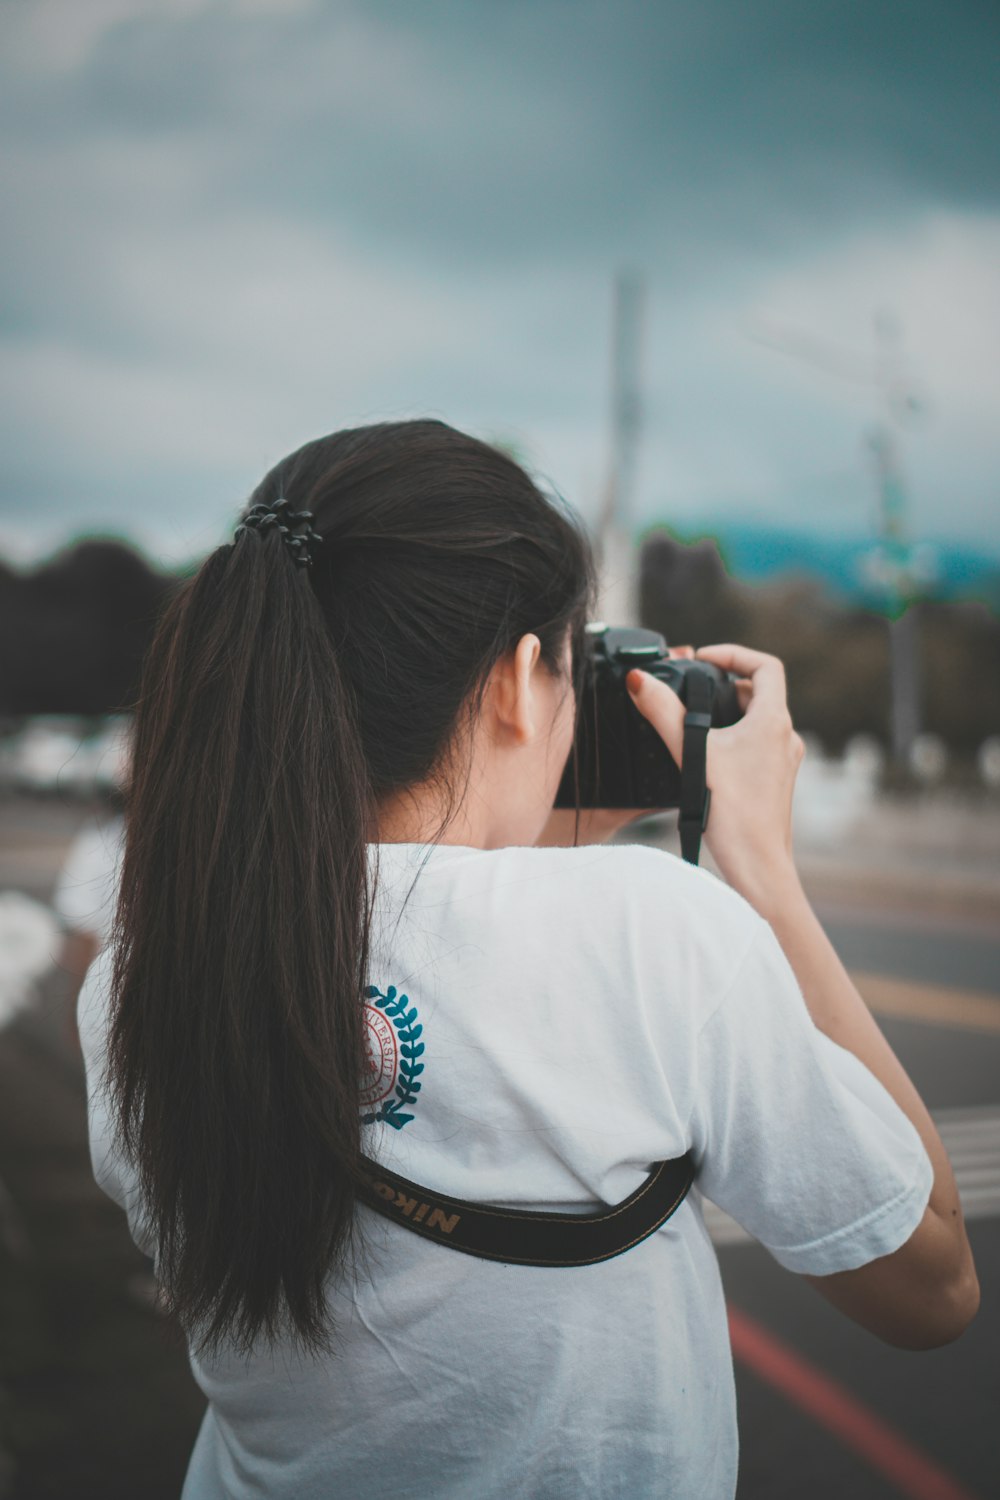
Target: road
x=922, y=1426
x=96, y=1398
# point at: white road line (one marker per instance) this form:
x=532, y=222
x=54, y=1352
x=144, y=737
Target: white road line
x=971, y=1138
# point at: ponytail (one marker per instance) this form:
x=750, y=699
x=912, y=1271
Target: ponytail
x=241, y=949
x=279, y=705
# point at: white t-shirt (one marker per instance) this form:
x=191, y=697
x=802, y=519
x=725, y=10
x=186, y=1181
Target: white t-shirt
x=582, y=1013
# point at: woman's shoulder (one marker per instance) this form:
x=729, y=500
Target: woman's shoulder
x=669, y=925
x=666, y=928
x=622, y=881
x=633, y=870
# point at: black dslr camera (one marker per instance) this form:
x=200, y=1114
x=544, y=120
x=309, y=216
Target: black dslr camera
x=622, y=760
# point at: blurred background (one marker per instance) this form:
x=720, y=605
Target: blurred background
x=727, y=277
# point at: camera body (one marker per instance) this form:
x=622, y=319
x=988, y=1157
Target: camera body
x=622, y=760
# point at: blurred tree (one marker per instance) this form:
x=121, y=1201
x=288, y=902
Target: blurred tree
x=76, y=629
x=686, y=593
x=836, y=657
x=961, y=670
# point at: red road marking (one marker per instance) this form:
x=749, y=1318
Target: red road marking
x=912, y=1472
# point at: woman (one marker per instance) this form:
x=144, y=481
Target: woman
x=346, y=925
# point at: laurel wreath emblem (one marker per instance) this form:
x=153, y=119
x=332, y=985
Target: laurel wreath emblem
x=411, y=1048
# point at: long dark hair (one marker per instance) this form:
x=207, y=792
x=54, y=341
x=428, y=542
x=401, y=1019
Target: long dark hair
x=278, y=705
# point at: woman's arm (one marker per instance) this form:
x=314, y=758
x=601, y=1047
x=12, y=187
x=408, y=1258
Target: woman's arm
x=925, y=1293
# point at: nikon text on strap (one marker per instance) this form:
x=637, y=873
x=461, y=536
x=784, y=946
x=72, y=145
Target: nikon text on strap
x=522, y=1236
x=696, y=799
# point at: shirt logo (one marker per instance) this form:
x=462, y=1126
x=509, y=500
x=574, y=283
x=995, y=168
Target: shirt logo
x=392, y=1037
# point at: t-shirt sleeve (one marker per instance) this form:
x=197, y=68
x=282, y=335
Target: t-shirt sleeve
x=112, y=1172
x=795, y=1138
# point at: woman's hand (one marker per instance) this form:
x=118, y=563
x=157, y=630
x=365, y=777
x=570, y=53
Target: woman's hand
x=751, y=767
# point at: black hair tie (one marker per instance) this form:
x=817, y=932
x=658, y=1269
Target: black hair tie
x=279, y=513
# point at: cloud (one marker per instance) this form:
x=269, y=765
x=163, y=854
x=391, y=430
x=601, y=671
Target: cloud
x=62, y=36
x=466, y=130
x=233, y=225
x=782, y=381
x=941, y=280
x=220, y=349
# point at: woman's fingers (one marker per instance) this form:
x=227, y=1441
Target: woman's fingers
x=661, y=706
x=760, y=685
x=751, y=766
x=765, y=673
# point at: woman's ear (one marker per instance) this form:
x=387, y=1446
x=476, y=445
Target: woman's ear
x=513, y=689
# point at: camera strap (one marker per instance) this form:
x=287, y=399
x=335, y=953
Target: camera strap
x=522, y=1236
x=696, y=798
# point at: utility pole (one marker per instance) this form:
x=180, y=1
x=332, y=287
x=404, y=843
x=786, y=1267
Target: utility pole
x=893, y=562
x=892, y=565
x=619, y=596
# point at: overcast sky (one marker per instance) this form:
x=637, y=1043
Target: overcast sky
x=232, y=225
